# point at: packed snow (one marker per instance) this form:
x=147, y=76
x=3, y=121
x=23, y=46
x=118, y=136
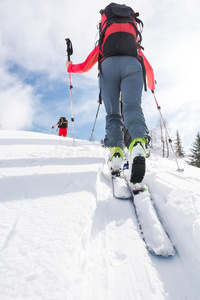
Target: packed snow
x=63, y=236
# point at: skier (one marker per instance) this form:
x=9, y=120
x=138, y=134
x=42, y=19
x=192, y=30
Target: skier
x=62, y=125
x=121, y=70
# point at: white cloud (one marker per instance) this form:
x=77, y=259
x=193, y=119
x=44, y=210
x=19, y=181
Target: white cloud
x=17, y=103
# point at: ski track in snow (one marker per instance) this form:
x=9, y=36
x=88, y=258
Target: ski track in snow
x=64, y=236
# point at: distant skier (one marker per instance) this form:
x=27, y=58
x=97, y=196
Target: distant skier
x=62, y=125
x=122, y=68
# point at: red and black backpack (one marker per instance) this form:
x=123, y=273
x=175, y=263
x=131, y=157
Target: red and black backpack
x=62, y=123
x=118, y=30
x=119, y=34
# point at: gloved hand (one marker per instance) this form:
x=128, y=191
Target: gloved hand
x=68, y=63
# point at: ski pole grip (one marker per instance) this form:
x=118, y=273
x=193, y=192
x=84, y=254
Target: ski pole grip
x=69, y=48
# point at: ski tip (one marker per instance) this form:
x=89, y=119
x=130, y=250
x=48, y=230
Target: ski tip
x=171, y=254
x=165, y=254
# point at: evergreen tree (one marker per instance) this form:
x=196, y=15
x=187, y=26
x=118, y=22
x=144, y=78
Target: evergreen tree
x=195, y=156
x=178, y=145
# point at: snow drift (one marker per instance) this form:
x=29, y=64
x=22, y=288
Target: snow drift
x=64, y=236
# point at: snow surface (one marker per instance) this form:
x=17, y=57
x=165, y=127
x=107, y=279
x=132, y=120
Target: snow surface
x=64, y=237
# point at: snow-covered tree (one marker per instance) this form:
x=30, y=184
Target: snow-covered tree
x=178, y=145
x=195, y=152
x=163, y=137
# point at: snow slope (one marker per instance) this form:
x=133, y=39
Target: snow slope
x=64, y=237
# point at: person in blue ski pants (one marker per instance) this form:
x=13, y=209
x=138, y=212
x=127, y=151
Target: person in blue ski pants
x=122, y=74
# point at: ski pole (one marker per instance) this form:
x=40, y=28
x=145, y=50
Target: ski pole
x=70, y=52
x=167, y=133
x=100, y=102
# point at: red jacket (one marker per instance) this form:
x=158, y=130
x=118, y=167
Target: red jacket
x=93, y=58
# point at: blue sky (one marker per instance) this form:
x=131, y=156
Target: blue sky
x=34, y=90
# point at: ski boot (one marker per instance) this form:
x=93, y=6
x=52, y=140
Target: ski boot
x=137, y=159
x=115, y=161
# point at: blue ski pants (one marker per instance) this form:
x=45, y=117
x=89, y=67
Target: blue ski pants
x=122, y=73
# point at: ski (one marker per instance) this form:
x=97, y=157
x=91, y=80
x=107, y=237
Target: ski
x=155, y=237
x=153, y=233
x=120, y=187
